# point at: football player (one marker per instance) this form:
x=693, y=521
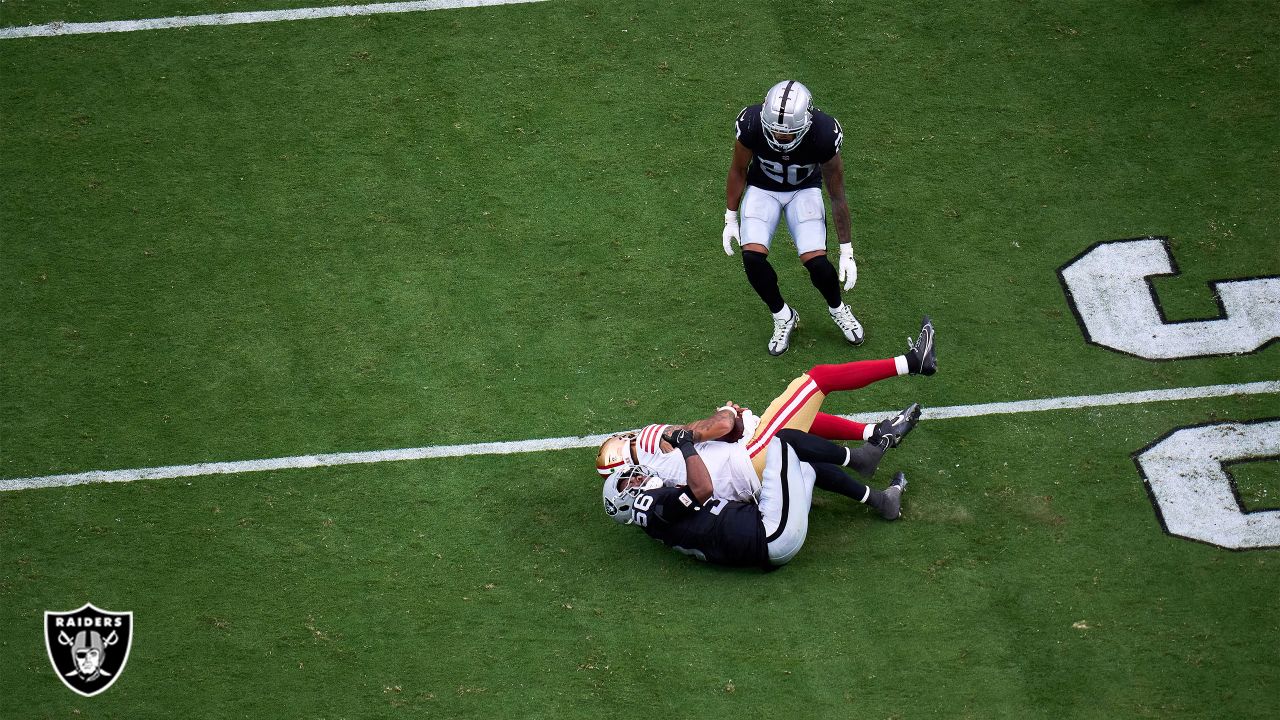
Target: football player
x=785, y=150
x=769, y=534
x=732, y=443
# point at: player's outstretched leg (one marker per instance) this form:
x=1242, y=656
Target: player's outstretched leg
x=887, y=502
x=812, y=449
x=920, y=359
x=834, y=427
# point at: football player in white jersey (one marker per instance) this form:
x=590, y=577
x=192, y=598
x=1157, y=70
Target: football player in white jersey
x=767, y=534
x=732, y=443
x=785, y=150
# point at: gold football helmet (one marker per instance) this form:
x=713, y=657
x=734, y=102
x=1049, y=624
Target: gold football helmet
x=616, y=452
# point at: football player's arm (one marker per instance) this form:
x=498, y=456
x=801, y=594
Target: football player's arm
x=699, y=478
x=833, y=178
x=736, y=183
x=712, y=428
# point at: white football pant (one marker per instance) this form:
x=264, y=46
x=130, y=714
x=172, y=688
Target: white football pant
x=806, y=217
x=786, y=494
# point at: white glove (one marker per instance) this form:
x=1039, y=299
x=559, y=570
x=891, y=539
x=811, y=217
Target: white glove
x=730, y=231
x=848, y=268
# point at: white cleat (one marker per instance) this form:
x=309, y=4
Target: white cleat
x=782, y=330
x=848, y=324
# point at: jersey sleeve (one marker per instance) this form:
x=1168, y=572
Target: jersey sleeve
x=649, y=440
x=833, y=138
x=745, y=128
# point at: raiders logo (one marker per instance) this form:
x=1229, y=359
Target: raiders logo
x=88, y=647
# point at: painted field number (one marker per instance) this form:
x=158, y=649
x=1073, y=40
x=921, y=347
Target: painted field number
x=1195, y=496
x=1109, y=289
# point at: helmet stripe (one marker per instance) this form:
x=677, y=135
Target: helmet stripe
x=782, y=106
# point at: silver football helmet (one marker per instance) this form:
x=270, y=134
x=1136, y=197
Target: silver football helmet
x=786, y=114
x=620, y=504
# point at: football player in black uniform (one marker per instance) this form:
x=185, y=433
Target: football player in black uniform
x=767, y=535
x=785, y=150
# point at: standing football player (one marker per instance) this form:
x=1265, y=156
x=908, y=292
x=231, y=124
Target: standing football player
x=785, y=150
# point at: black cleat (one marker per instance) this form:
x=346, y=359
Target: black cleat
x=889, y=433
x=921, y=359
x=891, y=508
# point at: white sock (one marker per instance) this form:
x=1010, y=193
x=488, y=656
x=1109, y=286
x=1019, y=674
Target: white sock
x=784, y=313
x=867, y=432
x=900, y=363
x=834, y=310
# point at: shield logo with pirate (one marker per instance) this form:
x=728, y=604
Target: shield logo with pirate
x=88, y=647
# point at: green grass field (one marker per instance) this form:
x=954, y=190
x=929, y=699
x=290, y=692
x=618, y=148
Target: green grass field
x=495, y=224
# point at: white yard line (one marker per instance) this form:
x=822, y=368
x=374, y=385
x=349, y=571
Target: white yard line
x=565, y=443
x=240, y=18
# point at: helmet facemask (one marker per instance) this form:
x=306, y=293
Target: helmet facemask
x=619, y=504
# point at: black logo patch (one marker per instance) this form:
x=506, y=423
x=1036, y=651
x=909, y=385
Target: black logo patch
x=88, y=647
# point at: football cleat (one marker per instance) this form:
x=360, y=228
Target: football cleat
x=921, y=358
x=848, y=324
x=889, y=433
x=891, y=508
x=782, y=330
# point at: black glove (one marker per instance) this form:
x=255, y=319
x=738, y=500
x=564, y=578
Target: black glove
x=682, y=440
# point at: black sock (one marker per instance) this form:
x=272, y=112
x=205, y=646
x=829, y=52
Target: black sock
x=833, y=478
x=866, y=458
x=763, y=278
x=812, y=449
x=913, y=361
x=823, y=275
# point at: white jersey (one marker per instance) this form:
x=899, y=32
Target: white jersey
x=733, y=477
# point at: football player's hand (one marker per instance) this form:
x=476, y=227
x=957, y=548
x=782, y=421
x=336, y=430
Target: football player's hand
x=848, y=268
x=679, y=437
x=730, y=231
x=732, y=407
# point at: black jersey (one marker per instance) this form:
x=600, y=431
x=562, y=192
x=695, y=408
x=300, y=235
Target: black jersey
x=796, y=169
x=726, y=533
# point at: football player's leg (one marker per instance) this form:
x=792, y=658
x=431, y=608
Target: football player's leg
x=761, y=210
x=834, y=427
x=760, y=213
x=796, y=408
x=812, y=449
x=763, y=279
x=855, y=375
x=833, y=479
x=786, y=495
x=824, y=277
x=807, y=220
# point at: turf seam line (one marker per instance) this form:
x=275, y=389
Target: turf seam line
x=584, y=441
x=241, y=18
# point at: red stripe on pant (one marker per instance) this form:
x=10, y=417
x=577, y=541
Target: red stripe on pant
x=796, y=404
